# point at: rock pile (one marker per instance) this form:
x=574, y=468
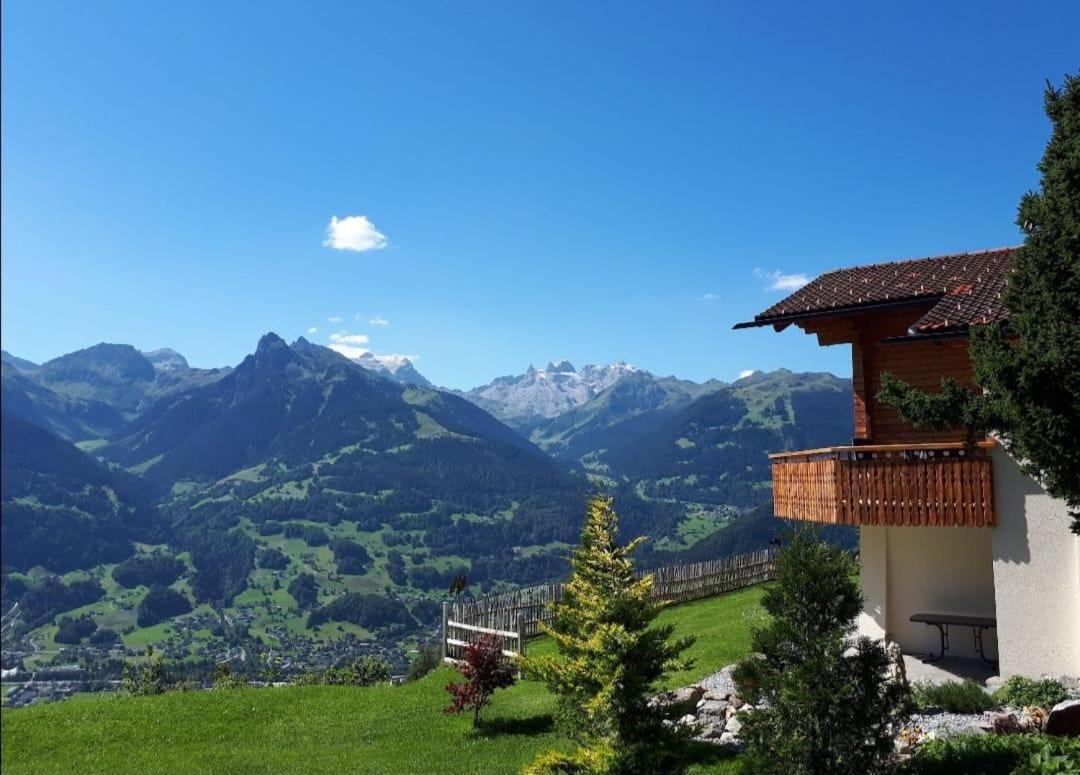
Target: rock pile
x=712, y=710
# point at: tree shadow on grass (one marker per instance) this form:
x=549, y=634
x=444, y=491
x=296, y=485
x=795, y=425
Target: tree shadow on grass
x=533, y=725
x=697, y=752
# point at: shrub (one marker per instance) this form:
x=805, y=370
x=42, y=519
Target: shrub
x=427, y=659
x=368, y=671
x=954, y=697
x=362, y=671
x=269, y=528
x=1020, y=692
x=995, y=755
x=829, y=701
x=484, y=671
x=610, y=659
x=147, y=679
x=225, y=678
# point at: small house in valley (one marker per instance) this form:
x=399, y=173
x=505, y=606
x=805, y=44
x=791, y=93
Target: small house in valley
x=960, y=552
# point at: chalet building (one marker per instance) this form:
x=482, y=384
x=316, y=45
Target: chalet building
x=952, y=535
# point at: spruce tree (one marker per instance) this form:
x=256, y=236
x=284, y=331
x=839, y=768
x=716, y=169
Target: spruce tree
x=824, y=701
x=610, y=659
x=1027, y=371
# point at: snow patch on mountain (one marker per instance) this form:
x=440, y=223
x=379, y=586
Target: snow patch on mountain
x=397, y=367
x=166, y=359
x=547, y=392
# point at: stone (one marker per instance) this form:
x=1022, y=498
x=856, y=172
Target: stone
x=897, y=669
x=712, y=694
x=736, y=702
x=1001, y=723
x=687, y=720
x=1064, y=719
x=1033, y=719
x=678, y=702
x=734, y=725
x=731, y=742
x=712, y=708
x=712, y=732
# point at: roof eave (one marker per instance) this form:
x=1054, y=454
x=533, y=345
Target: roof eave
x=786, y=320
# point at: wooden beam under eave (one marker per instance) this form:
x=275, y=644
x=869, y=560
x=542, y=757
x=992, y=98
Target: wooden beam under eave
x=831, y=331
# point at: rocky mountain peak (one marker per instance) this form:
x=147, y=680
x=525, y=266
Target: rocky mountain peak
x=166, y=359
x=563, y=367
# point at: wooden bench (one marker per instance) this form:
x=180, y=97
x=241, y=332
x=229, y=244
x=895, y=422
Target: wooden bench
x=978, y=625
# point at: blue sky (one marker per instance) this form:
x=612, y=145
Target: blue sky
x=593, y=181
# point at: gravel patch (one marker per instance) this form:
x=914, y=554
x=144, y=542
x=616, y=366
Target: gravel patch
x=946, y=724
x=720, y=682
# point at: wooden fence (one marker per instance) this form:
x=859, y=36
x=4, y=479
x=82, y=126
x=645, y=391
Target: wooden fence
x=515, y=616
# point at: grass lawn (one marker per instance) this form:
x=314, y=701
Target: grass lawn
x=333, y=729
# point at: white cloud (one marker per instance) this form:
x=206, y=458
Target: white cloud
x=335, y=319
x=313, y=330
x=778, y=281
x=349, y=351
x=379, y=320
x=343, y=337
x=746, y=373
x=353, y=232
x=709, y=297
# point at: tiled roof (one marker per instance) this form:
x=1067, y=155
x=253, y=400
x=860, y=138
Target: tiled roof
x=967, y=286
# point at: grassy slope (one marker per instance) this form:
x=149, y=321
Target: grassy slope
x=330, y=729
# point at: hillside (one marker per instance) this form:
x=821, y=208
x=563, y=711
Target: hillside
x=581, y=429
x=91, y=393
x=74, y=419
x=63, y=509
x=295, y=405
x=708, y=457
x=336, y=729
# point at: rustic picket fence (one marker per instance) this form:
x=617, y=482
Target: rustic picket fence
x=515, y=616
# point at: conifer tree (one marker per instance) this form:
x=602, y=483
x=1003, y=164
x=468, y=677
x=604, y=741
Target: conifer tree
x=609, y=659
x=1027, y=372
x=825, y=701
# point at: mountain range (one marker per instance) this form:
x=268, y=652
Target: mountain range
x=360, y=474
x=526, y=400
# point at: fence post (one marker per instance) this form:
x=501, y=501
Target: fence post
x=520, y=641
x=445, y=619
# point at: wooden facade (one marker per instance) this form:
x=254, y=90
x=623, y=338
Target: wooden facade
x=893, y=474
x=878, y=344
x=915, y=485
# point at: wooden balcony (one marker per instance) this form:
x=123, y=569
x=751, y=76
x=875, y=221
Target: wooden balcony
x=936, y=485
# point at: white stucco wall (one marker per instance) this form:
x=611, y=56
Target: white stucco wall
x=1036, y=576
x=873, y=574
x=907, y=570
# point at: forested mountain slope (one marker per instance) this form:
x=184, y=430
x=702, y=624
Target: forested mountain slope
x=62, y=509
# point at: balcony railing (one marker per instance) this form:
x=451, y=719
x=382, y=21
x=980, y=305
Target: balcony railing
x=897, y=485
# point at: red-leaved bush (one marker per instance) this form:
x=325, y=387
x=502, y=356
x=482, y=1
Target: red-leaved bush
x=484, y=671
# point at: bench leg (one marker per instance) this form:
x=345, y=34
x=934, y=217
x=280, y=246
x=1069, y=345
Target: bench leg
x=943, y=630
x=979, y=646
